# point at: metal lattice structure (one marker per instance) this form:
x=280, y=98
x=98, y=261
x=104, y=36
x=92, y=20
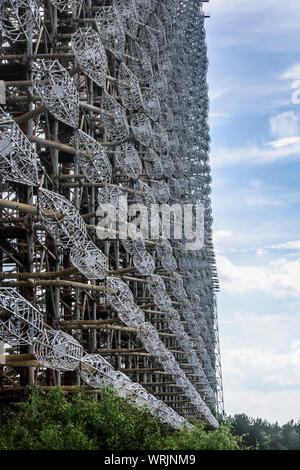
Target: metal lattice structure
x=106, y=100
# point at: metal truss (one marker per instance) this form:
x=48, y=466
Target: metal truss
x=104, y=102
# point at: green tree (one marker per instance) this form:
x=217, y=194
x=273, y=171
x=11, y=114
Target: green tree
x=197, y=438
x=54, y=421
x=259, y=434
x=291, y=436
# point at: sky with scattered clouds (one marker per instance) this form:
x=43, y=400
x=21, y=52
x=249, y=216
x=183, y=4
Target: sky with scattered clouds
x=254, y=81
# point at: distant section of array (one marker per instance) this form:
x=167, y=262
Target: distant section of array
x=113, y=101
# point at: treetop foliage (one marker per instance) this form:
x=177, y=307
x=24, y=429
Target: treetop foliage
x=259, y=434
x=61, y=421
x=56, y=421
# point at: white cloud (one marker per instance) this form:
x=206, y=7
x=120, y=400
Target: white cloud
x=237, y=7
x=218, y=119
x=284, y=142
x=285, y=125
x=255, y=195
x=291, y=245
x=260, y=331
x=259, y=25
x=220, y=235
x=285, y=14
x=279, y=278
x=261, y=363
x=216, y=93
x=256, y=155
x=257, y=200
x=262, y=383
x=261, y=251
x=280, y=406
x=292, y=73
x=269, y=365
x=257, y=95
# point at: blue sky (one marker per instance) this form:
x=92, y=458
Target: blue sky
x=254, y=60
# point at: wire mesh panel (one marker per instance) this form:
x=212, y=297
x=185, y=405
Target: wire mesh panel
x=92, y=158
x=129, y=161
x=160, y=141
x=111, y=30
x=20, y=322
x=113, y=119
x=57, y=350
x=113, y=199
x=164, y=253
x=91, y=55
x=151, y=104
x=141, y=128
x=140, y=64
x=153, y=165
x=129, y=89
x=96, y=371
x=63, y=5
x=20, y=19
x=144, y=263
x=89, y=260
x=54, y=86
x=18, y=156
x=161, y=191
x=126, y=12
x=143, y=10
x=61, y=219
x=123, y=303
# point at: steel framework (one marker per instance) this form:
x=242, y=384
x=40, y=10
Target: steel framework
x=102, y=99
